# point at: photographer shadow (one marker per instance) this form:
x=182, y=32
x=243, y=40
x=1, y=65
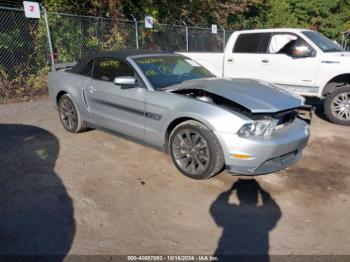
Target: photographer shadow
x=36, y=212
x=245, y=225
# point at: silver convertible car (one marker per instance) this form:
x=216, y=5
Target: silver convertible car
x=207, y=124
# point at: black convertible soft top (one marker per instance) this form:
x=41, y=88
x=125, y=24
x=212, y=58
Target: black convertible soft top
x=121, y=54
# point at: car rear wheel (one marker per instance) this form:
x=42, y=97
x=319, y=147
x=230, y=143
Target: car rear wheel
x=195, y=150
x=69, y=115
x=337, y=106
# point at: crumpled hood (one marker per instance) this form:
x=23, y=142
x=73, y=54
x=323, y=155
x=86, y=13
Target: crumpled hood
x=257, y=96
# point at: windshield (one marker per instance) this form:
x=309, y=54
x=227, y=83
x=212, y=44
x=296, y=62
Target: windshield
x=164, y=71
x=323, y=42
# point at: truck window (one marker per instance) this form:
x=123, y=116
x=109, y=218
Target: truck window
x=264, y=42
x=252, y=43
x=280, y=42
x=323, y=42
x=284, y=43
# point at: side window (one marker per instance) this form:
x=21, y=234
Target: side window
x=252, y=43
x=107, y=69
x=87, y=71
x=264, y=42
x=287, y=44
x=247, y=43
x=282, y=43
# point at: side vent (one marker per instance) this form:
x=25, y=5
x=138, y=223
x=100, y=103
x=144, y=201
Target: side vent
x=84, y=98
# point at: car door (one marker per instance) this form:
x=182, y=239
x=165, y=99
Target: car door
x=114, y=106
x=280, y=67
x=245, y=59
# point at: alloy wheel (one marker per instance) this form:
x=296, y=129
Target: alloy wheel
x=341, y=106
x=191, y=151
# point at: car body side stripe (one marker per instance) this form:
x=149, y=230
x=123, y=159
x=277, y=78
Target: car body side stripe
x=150, y=115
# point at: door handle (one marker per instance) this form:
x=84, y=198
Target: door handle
x=265, y=61
x=92, y=89
x=230, y=60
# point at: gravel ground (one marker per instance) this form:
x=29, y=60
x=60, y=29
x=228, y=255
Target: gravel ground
x=97, y=193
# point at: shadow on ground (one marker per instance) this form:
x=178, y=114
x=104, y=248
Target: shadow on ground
x=245, y=225
x=36, y=213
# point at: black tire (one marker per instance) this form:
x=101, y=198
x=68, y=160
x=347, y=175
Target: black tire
x=332, y=101
x=201, y=157
x=69, y=115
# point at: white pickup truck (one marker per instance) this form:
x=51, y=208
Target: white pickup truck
x=298, y=60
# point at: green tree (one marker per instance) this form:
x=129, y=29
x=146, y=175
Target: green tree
x=330, y=17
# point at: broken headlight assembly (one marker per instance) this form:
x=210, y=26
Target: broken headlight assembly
x=262, y=127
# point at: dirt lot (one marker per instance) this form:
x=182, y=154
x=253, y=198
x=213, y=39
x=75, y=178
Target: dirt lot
x=97, y=193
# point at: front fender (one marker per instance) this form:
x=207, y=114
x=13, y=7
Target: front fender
x=216, y=119
x=173, y=107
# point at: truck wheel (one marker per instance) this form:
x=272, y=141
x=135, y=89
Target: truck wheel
x=69, y=115
x=195, y=150
x=337, y=106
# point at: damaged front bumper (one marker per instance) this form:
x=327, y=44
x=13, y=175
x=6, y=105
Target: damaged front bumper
x=264, y=155
x=306, y=112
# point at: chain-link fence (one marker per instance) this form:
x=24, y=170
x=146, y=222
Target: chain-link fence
x=75, y=36
x=162, y=37
x=25, y=53
x=24, y=62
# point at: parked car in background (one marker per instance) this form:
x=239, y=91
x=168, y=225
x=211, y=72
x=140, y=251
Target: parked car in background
x=169, y=101
x=298, y=60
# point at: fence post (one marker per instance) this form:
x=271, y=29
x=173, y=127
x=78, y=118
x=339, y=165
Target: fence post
x=136, y=31
x=186, y=31
x=49, y=38
x=186, y=38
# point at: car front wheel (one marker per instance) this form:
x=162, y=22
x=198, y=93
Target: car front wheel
x=337, y=106
x=195, y=150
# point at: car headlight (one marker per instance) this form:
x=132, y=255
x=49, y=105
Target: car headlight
x=263, y=127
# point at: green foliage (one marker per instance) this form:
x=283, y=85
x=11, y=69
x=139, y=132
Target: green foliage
x=23, y=56
x=330, y=17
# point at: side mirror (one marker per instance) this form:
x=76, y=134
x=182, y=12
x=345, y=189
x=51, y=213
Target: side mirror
x=301, y=51
x=125, y=81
